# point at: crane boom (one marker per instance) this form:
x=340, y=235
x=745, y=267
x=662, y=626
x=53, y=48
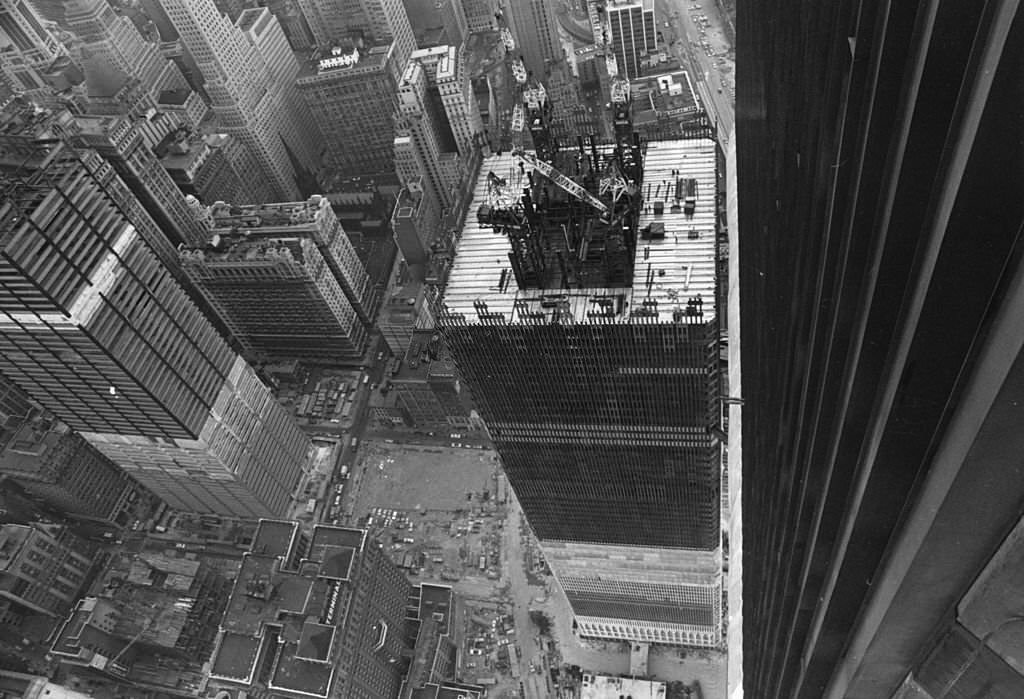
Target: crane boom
x=562, y=181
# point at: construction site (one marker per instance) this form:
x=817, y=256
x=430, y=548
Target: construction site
x=583, y=311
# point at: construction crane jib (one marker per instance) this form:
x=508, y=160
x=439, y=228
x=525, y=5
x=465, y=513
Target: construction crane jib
x=562, y=181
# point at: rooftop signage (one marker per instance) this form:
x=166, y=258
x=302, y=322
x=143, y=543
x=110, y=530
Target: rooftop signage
x=339, y=59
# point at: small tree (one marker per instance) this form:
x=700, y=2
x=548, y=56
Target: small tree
x=541, y=621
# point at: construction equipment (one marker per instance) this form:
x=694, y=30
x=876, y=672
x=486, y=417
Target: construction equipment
x=563, y=182
x=613, y=182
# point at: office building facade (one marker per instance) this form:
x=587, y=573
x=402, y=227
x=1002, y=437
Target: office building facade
x=33, y=61
x=122, y=142
x=43, y=567
x=98, y=331
x=422, y=133
x=415, y=222
x=881, y=290
x=535, y=26
x=60, y=468
x=113, y=51
x=353, y=97
x=199, y=164
x=633, y=30
x=286, y=280
x=599, y=386
x=460, y=105
x=247, y=94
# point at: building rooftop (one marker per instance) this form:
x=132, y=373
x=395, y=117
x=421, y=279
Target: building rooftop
x=176, y=97
x=667, y=95
x=673, y=275
x=340, y=62
x=602, y=687
x=302, y=610
x=448, y=64
x=274, y=537
x=427, y=358
x=249, y=17
x=276, y=216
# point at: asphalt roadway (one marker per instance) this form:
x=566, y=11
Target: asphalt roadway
x=684, y=36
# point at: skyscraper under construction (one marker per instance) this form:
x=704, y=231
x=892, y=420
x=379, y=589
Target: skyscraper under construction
x=582, y=315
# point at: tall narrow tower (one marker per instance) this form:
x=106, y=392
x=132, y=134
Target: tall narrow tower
x=95, y=328
x=247, y=95
x=420, y=136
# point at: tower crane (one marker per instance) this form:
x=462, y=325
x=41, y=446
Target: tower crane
x=563, y=182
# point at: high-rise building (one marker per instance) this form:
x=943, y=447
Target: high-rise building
x=112, y=52
x=415, y=222
x=439, y=122
x=22, y=29
x=535, y=27
x=43, y=567
x=352, y=95
x=95, y=329
x=263, y=30
x=590, y=347
x=293, y=23
x=370, y=22
x=427, y=386
x=286, y=280
x=121, y=141
x=429, y=16
x=16, y=410
x=460, y=105
x=200, y=166
x=326, y=623
x=881, y=293
x=634, y=32
x=479, y=14
x=406, y=309
x=423, y=133
x=60, y=468
x=33, y=62
x=247, y=93
x=148, y=623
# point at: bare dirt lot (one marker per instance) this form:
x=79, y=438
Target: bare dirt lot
x=416, y=478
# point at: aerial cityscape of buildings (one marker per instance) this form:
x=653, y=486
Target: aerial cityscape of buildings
x=246, y=248
x=452, y=349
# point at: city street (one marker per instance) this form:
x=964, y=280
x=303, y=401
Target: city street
x=522, y=596
x=712, y=75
